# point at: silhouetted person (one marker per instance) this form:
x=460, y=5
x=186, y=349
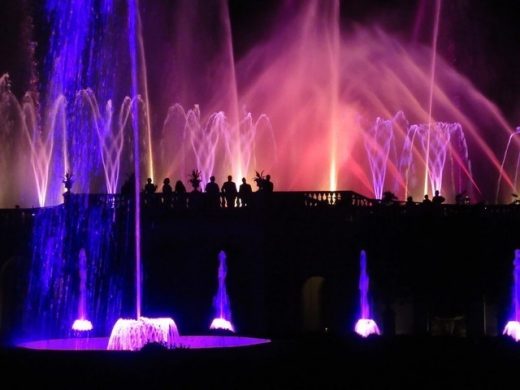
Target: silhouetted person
x=438, y=199
x=459, y=199
x=409, y=201
x=268, y=184
x=213, y=193
x=244, y=192
x=149, y=187
x=426, y=200
x=167, y=193
x=389, y=198
x=180, y=195
x=229, y=190
x=149, y=191
x=128, y=187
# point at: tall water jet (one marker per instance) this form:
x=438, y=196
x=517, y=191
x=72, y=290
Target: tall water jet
x=430, y=99
x=82, y=324
x=221, y=303
x=512, y=328
x=365, y=326
x=134, y=334
x=380, y=141
x=133, y=23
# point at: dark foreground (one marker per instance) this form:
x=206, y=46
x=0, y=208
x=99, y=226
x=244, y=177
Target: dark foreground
x=322, y=362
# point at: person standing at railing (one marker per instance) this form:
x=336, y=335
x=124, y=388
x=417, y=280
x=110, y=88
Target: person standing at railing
x=167, y=193
x=180, y=196
x=127, y=189
x=438, y=198
x=268, y=184
x=213, y=193
x=244, y=193
x=149, y=191
x=229, y=190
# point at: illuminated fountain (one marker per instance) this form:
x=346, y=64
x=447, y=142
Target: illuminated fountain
x=324, y=121
x=82, y=324
x=365, y=326
x=512, y=328
x=225, y=115
x=221, y=303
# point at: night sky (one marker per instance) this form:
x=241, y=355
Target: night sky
x=479, y=38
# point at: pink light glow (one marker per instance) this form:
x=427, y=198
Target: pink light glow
x=512, y=329
x=365, y=327
x=82, y=325
x=222, y=323
x=132, y=335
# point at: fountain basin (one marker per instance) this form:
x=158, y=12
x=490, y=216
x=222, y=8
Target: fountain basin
x=101, y=343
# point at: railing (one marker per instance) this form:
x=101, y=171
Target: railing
x=334, y=198
x=280, y=200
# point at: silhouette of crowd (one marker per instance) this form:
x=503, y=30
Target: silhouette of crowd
x=212, y=196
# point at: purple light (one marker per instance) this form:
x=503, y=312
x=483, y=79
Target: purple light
x=513, y=326
x=512, y=329
x=132, y=335
x=221, y=302
x=82, y=325
x=365, y=327
x=222, y=323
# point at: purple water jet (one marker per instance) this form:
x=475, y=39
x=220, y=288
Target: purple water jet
x=512, y=328
x=82, y=324
x=365, y=326
x=129, y=334
x=221, y=303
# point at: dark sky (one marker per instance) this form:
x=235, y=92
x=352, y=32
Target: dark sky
x=479, y=38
